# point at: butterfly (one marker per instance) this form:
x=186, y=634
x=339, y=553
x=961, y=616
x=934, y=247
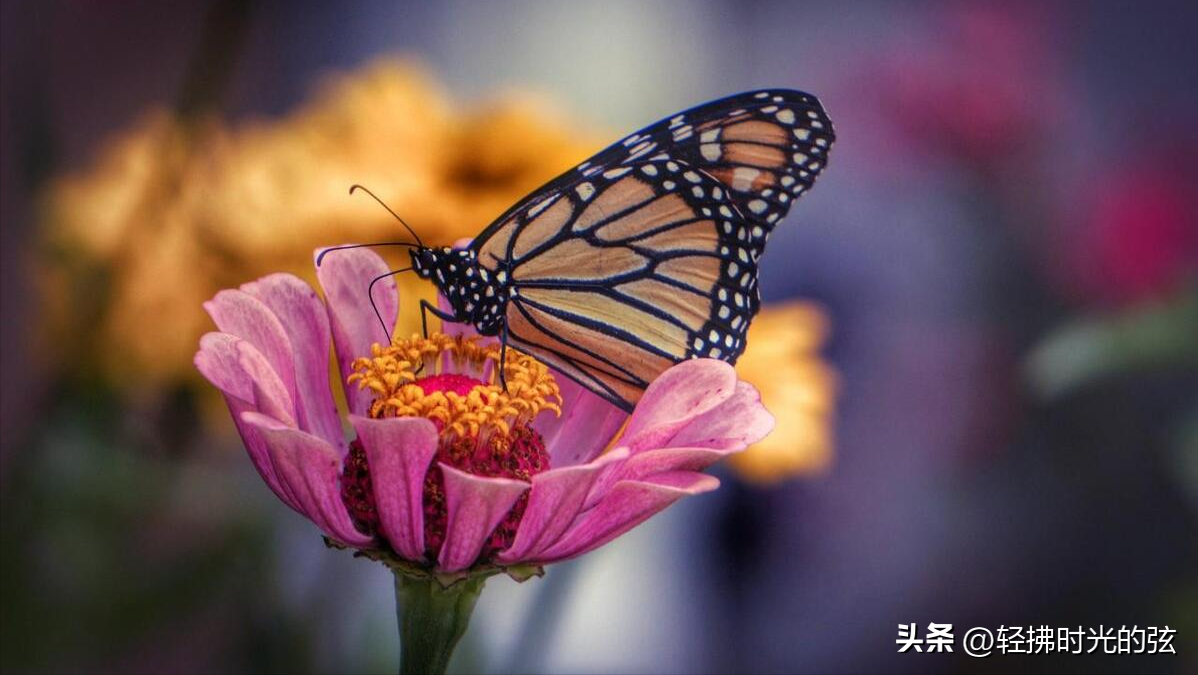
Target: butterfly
x=647, y=253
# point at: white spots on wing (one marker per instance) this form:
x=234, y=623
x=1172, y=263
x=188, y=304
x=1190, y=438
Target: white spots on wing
x=692, y=176
x=769, y=109
x=536, y=209
x=672, y=166
x=649, y=170
x=725, y=211
x=743, y=177
x=761, y=94
x=803, y=134
x=669, y=184
x=709, y=136
x=706, y=211
x=616, y=173
x=585, y=191
x=817, y=125
x=786, y=116
x=717, y=193
x=772, y=218
x=632, y=139
x=788, y=180
x=710, y=151
x=776, y=99
x=725, y=312
x=684, y=132
x=743, y=255
x=799, y=158
x=758, y=232
x=821, y=142
x=642, y=149
x=676, y=120
x=697, y=191
x=733, y=269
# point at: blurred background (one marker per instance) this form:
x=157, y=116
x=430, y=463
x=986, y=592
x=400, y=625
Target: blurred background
x=980, y=338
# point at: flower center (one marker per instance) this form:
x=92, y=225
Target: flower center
x=483, y=428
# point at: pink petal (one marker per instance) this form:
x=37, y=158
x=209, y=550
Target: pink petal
x=734, y=425
x=306, y=323
x=249, y=384
x=556, y=498
x=627, y=505
x=345, y=276
x=586, y=426
x=238, y=369
x=311, y=469
x=653, y=462
x=399, y=451
x=241, y=314
x=474, y=505
x=679, y=395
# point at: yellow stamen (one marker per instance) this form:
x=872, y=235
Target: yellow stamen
x=391, y=373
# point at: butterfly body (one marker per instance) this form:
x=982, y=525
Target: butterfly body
x=476, y=296
x=646, y=254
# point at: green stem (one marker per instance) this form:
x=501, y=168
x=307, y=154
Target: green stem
x=431, y=620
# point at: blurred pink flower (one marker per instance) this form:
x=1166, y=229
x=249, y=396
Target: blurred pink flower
x=1135, y=236
x=427, y=482
x=979, y=86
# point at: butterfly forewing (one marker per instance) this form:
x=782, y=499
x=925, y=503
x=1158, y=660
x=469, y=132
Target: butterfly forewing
x=647, y=253
x=624, y=273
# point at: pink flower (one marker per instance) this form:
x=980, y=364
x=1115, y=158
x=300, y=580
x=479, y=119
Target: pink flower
x=1132, y=233
x=428, y=481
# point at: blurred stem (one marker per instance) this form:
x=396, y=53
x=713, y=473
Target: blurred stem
x=432, y=619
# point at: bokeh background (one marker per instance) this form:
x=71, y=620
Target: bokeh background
x=981, y=331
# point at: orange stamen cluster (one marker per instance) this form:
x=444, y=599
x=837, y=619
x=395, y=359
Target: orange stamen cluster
x=392, y=372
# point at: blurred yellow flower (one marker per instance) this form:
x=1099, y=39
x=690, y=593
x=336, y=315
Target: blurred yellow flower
x=797, y=386
x=172, y=211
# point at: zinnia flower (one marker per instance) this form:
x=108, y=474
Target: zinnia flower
x=450, y=477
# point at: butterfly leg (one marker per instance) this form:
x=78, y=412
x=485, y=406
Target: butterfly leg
x=427, y=308
x=503, y=358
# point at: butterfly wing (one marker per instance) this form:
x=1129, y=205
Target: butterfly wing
x=622, y=274
x=767, y=147
x=646, y=254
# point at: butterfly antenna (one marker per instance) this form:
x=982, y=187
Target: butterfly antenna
x=393, y=213
x=374, y=305
x=324, y=252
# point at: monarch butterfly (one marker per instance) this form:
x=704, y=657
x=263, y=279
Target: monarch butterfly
x=645, y=254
